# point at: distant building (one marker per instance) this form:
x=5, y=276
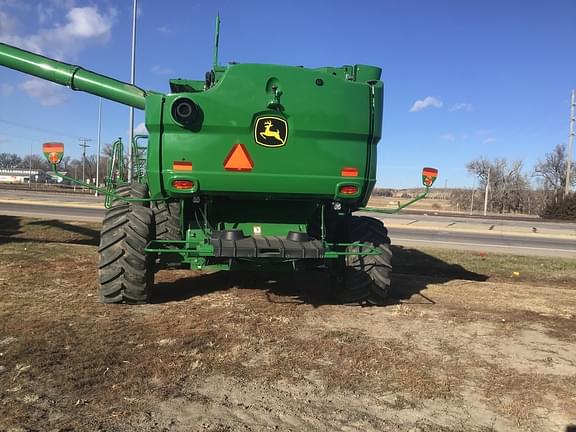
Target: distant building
x=24, y=176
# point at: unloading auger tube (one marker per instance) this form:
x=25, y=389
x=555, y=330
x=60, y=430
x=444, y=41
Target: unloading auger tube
x=71, y=76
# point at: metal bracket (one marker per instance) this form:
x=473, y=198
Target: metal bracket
x=400, y=207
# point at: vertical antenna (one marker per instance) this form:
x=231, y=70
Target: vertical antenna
x=132, y=78
x=216, y=39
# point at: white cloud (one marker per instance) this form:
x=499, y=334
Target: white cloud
x=45, y=13
x=141, y=129
x=466, y=107
x=484, y=132
x=87, y=23
x=6, y=89
x=160, y=70
x=448, y=137
x=164, y=30
x=427, y=102
x=65, y=4
x=7, y=24
x=47, y=93
x=16, y=4
x=82, y=25
x=489, y=140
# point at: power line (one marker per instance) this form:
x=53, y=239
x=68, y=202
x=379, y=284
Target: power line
x=19, y=137
x=26, y=126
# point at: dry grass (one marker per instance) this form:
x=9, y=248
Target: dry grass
x=260, y=352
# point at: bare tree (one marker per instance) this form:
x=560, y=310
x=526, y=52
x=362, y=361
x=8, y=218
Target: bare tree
x=552, y=172
x=533, y=200
x=74, y=168
x=509, y=186
x=65, y=162
x=10, y=160
x=35, y=162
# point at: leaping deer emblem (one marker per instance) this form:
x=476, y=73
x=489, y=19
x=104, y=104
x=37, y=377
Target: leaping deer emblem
x=269, y=133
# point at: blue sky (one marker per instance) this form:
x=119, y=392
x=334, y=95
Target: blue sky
x=462, y=78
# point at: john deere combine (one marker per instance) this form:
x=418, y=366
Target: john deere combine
x=255, y=166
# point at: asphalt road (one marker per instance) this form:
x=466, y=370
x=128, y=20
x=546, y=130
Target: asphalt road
x=86, y=214
x=523, y=245
x=431, y=236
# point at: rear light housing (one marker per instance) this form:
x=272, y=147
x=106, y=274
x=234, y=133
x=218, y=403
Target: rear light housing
x=183, y=184
x=348, y=190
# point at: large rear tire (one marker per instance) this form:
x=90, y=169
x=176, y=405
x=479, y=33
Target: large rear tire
x=364, y=279
x=132, y=190
x=167, y=217
x=126, y=271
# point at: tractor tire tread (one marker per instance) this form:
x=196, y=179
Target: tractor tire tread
x=367, y=278
x=125, y=269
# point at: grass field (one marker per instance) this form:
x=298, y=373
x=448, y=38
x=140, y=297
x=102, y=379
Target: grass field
x=469, y=342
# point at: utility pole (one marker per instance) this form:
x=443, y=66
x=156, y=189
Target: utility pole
x=83, y=145
x=486, y=192
x=132, y=78
x=30, y=169
x=99, y=135
x=472, y=199
x=570, y=144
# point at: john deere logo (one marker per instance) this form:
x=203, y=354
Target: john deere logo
x=271, y=131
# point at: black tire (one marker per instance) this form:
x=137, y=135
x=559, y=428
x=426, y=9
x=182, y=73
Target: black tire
x=132, y=190
x=167, y=217
x=126, y=271
x=363, y=279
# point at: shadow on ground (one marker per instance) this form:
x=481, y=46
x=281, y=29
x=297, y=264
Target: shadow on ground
x=14, y=229
x=9, y=226
x=414, y=271
x=84, y=234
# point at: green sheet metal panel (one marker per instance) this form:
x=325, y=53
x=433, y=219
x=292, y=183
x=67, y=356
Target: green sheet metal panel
x=329, y=120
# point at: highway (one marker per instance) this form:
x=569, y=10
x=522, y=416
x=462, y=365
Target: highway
x=516, y=237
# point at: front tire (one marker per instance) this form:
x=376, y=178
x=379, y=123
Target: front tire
x=363, y=278
x=126, y=271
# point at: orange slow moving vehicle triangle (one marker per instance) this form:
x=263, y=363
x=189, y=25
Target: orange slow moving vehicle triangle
x=238, y=159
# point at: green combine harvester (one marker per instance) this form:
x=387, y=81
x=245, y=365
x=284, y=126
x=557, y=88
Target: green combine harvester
x=257, y=166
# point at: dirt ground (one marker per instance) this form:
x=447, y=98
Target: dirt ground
x=456, y=350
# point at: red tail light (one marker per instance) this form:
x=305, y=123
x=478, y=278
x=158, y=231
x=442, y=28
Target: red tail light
x=182, y=184
x=348, y=190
